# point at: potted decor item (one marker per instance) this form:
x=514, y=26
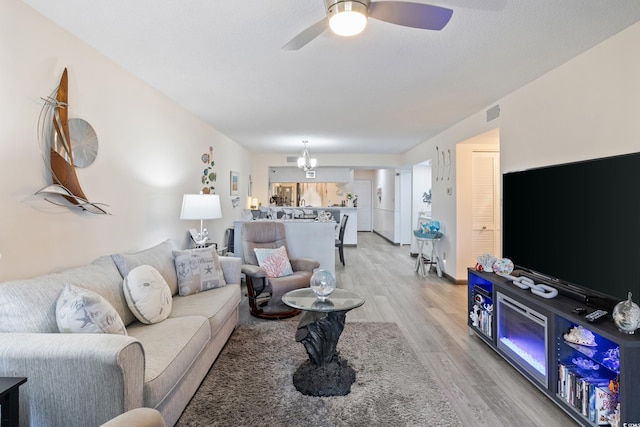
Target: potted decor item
x=626, y=316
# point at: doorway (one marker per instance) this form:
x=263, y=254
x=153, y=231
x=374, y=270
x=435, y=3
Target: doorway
x=485, y=172
x=362, y=187
x=478, y=221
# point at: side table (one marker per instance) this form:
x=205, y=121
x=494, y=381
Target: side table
x=325, y=373
x=422, y=258
x=10, y=400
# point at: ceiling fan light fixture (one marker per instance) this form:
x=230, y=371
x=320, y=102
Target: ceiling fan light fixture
x=347, y=18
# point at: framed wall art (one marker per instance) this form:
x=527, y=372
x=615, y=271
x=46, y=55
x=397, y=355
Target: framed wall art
x=234, y=191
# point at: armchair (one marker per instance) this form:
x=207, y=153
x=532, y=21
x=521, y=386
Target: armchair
x=264, y=292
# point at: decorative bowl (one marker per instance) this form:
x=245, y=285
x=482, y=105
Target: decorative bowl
x=322, y=284
x=427, y=234
x=503, y=266
x=626, y=316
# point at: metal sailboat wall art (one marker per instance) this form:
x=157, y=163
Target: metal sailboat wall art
x=59, y=146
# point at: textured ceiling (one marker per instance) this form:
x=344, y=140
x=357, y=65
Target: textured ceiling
x=384, y=91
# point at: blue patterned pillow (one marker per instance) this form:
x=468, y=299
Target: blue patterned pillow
x=80, y=310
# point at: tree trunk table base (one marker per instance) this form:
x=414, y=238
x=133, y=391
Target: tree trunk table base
x=320, y=327
x=332, y=379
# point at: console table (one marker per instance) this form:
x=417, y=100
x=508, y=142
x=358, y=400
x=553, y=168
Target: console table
x=9, y=400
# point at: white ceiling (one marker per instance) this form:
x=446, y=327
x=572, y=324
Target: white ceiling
x=384, y=91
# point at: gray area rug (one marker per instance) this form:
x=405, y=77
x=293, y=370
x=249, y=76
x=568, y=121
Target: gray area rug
x=250, y=384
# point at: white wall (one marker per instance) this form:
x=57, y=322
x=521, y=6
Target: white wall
x=149, y=154
x=421, y=183
x=586, y=108
x=404, y=202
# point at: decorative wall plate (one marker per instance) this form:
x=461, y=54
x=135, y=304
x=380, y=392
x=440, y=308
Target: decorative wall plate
x=503, y=266
x=84, y=142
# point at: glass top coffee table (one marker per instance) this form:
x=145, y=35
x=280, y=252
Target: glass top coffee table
x=325, y=373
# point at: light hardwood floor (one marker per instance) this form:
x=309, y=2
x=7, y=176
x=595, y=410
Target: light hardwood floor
x=483, y=389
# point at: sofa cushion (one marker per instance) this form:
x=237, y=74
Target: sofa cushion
x=170, y=348
x=108, y=284
x=33, y=301
x=159, y=257
x=79, y=310
x=216, y=305
x=147, y=294
x=198, y=270
x=274, y=261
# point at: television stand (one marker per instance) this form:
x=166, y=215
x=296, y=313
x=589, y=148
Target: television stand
x=572, y=292
x=535, y=336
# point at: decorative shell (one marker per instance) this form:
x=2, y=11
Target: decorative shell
x=486, y=261
x=581, y=336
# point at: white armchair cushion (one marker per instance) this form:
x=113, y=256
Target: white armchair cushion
x=147, y=294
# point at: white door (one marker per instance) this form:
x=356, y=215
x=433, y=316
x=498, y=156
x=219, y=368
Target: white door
x=486, y=203
x=406, y=229
x=362, y=187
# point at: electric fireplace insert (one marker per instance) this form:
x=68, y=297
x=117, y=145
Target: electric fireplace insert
x=522, y=337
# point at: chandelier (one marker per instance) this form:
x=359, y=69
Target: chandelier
x=305, y=162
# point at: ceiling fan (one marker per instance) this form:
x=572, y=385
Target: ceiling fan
x=348, y=18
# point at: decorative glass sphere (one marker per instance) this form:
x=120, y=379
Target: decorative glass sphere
x=626, y=316
x=322, y=283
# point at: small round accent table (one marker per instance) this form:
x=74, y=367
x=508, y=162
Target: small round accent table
x=325, y=373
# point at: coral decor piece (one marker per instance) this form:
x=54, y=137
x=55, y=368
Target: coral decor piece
x=56, y=145
x=485, y=262
x=581, y=336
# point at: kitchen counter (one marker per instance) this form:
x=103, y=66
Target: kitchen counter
x=351, y=232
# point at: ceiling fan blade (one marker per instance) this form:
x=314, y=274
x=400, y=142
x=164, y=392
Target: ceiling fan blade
x=407, y=14
x=307, y=35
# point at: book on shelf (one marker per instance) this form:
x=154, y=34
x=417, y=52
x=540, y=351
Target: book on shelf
x=605, y=403
x=588, y=395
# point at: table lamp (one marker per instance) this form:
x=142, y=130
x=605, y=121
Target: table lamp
x=201, y=206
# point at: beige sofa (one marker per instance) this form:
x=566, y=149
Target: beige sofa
x=77, y=379
x=139, y=417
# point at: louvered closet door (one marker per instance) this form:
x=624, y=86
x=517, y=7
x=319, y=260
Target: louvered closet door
x=486, y=203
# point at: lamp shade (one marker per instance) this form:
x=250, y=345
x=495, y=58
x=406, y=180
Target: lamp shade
x=201, y=206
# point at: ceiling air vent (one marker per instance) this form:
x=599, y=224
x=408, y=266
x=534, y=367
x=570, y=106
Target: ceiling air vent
x=493, y=113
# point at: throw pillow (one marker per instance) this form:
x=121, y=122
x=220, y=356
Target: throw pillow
x=160, y=257
x=198, y=270
x=274, y=261
x=80, y=310
x=147, y=294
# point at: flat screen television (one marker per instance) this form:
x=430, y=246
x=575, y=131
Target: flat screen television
x=577, y=226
